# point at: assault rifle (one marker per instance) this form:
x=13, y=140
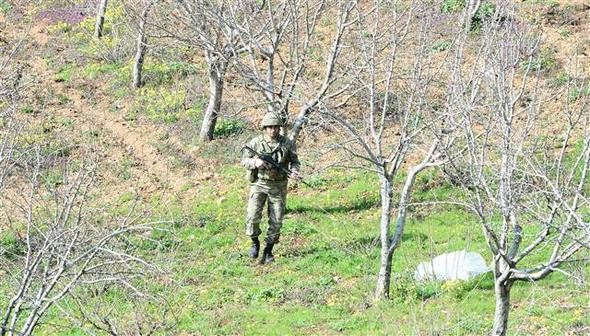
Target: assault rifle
x=274, y=164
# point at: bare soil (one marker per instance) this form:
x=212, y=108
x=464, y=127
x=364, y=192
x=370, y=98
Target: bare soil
x=151, y=170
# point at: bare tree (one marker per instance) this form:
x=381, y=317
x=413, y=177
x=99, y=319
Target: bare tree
x=89, y=310
x=141, y=45
x=526, y=186
x=10, y=128
x=201, y=25
x=390, y=113
x=11, y=87
x=279, y=43
x=268, y=44
x=64, y=244
x=472, y=7
x=316, y=96
x=100, y=14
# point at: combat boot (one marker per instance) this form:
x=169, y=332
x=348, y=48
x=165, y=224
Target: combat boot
x=267, y=256
x=254, y=248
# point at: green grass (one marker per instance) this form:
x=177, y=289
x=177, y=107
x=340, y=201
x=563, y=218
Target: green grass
x=323, y=278
x=11, y=246
x=228, y=127
x=158, y=73
x=5, y=7
x=95, y=70
x=164, y=98
x=452, y=6
x=326, y=264
x=544, y=61
x=324, y=274
x=64, y=74
x=27, y=109
x=579, y=92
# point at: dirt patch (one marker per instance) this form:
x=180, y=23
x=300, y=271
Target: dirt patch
x=124, y=139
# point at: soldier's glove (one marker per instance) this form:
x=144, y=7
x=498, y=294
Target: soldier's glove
x=259, y=163
x=296, y=175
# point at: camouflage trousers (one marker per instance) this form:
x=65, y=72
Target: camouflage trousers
x=276, y=195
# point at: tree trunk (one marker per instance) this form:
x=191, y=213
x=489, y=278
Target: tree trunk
x=389, y=245
x=141, y=48
x=216, y=77
x=100, y=13
x=384, y=278
x=304, y=111
x=502, y=292
x=472, y=8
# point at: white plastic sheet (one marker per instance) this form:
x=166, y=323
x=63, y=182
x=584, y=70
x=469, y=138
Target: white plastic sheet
x=458, y=265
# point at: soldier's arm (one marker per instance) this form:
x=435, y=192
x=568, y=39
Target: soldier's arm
x=294, y=163
x=248, y=158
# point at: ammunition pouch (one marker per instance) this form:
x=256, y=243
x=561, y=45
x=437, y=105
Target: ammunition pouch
x=252, y=175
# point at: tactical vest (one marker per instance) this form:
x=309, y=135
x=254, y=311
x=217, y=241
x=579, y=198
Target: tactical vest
x=279, y=151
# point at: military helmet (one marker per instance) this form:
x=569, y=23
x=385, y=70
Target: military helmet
x=271, y=119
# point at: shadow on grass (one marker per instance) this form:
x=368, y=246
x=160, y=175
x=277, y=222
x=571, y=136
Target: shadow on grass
x=364, y=245
x=304, y=252
x=414, y=236
x=357, y=205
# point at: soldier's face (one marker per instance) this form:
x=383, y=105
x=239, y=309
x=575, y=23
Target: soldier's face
x=272, y=131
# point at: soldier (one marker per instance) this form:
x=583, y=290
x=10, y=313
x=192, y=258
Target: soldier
x=268, y=183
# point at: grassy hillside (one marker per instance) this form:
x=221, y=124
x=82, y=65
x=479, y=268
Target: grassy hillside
x=149, y=164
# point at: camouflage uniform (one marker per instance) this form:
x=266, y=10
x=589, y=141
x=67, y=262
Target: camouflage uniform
x=271, y=184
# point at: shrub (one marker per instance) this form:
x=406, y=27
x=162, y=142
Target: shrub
x=227, y=127
x=65, y=73
x=452, y=6
x=428, y=289
x=316, y=181
x=485, y=12
x=166, y=72
x=562, y=79
x=564, y=32
x=545, y=61
x=440, y=46
x=52, y=179
x=63, y=99
x=5, y=7
x=461, y=289
x=27, y=109
x=272, y=294
x=578, y=92
x=195, y=111
x=108, y=48
x=94, y=70
x=62, y=27
x=10, y=245
x=112, y=47
x=124, y=168
x=160, y=104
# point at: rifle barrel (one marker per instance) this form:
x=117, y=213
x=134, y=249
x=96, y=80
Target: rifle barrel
x=269, y=159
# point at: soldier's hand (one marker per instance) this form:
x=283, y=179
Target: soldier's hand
x=296, y=175
x=259, y=163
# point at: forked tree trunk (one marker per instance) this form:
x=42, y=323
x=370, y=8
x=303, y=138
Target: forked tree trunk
x=304, y=111
x=502, y=293
x=216, y=80
x=390, y=244
x=384, y=277
x=100, y=13
x=141, y=47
